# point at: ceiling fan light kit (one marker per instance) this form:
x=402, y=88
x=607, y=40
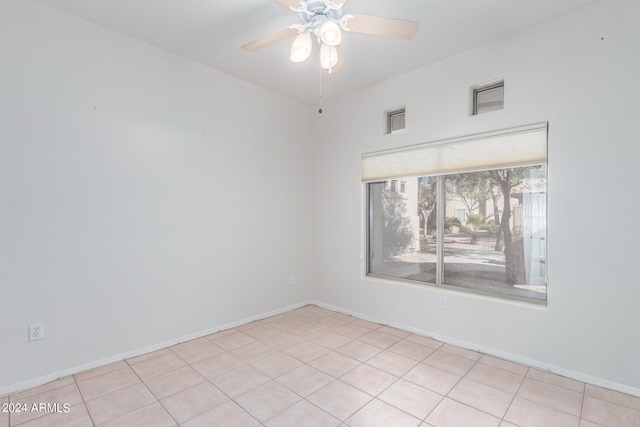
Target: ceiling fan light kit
x=324, y=19
x=301, y=48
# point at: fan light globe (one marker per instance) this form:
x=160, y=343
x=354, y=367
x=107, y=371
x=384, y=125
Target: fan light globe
x=330, y=33
x=328, y=56
x=301, y=48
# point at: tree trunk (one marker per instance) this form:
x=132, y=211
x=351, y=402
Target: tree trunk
x=496, y=217
x=513, y=245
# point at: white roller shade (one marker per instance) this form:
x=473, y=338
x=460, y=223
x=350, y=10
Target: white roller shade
x=521, y=146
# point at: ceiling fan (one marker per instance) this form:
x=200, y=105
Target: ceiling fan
x=324, y=20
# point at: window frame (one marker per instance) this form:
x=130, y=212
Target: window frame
x=484, y=88
x=440, y=230
x=390, y=116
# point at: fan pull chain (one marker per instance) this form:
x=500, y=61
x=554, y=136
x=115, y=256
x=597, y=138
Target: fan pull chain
x=320, y=109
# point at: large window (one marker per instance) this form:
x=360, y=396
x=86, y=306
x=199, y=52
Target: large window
x=464, y=225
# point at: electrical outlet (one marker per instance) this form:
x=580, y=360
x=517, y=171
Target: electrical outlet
x=444, y=304
x=289, y=281
x=36, y=331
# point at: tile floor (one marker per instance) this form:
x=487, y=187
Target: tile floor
x=314, y=367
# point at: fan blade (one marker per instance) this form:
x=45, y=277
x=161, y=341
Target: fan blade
x=289, y=3
x=385, y=27
x=283, y=34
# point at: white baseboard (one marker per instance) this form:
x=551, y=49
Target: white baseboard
x=35, y=382
x=579, y=376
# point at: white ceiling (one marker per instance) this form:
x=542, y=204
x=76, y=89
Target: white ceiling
x=211, y=32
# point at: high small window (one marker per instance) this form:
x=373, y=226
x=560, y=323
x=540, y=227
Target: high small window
x=474, y=215
x=488, y=98
x=395, y=121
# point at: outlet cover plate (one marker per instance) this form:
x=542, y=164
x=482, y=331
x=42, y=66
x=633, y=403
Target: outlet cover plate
x=36, y=331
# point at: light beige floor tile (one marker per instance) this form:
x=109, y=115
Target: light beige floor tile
x=195, y=401
x=505, y=365
x=158, y=366
x=411, y=398
x=305, y=380
x=331, y=340
x=253, y=352
x=4, y=415
x=63, y=382
x=372, y=381
x=552, y=396
x=359, y=350
x=507, y=424
x=151, y=415
x=119, y=403
x=263, y=331
x=228, y=415
x=100, y=385
x=351, y=330
x=304, y=414
x=462, y=352
x=283, y=341
x=306, y=351
x=432, y=378
x=101, y=370
x=233, y=341
x=218, y=365
x=450, y=413
x=167, y=384
x=308, y=331
x=496, y=378
x=613, y=397
x=148, y=356
x=482, y=397
x=394, y=331
x=379, y=339
x=585, y=423
x=240, y=381
x=393, y=363
x=276, y=364
x=412, y=350
x=196, y=350
x=334, y=364
x=525, y=413
x=287, y=323
x=221, y=333
x=339, y=399
x=343, y=316
x=76, y=417
x=426, y=341
x=332, y=323
x=449, y=362
x=609, y=414
x=267, y=400
x=366, y=324
x=379, y=414
x=557, y=380
x=56, y=397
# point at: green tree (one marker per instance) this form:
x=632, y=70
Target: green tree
x=476, y=221
x=397, y=234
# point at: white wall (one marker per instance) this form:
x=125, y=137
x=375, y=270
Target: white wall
x=580, y=72
x=143, y=197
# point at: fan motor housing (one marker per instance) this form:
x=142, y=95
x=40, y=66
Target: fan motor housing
x=313, y=9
